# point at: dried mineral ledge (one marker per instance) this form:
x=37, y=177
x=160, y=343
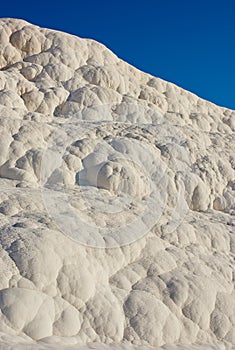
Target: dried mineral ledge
x=117, y=202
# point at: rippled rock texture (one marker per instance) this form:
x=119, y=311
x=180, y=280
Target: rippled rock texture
x=117, y=202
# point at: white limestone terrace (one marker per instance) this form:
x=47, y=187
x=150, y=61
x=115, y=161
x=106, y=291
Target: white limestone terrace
x=117, y=202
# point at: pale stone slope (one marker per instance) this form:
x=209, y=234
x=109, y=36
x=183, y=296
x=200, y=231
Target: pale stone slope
x=117, y=199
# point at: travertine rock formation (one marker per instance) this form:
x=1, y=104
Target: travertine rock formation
x=117, y=202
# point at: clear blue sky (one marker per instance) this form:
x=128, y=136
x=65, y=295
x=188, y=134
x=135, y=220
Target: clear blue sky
x=188, y=42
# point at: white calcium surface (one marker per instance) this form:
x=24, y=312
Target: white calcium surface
x=117, y=202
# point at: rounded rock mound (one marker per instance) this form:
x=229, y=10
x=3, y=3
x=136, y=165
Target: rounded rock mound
x=117, y=203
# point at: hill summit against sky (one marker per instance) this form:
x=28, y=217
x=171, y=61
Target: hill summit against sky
x=117, y=202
